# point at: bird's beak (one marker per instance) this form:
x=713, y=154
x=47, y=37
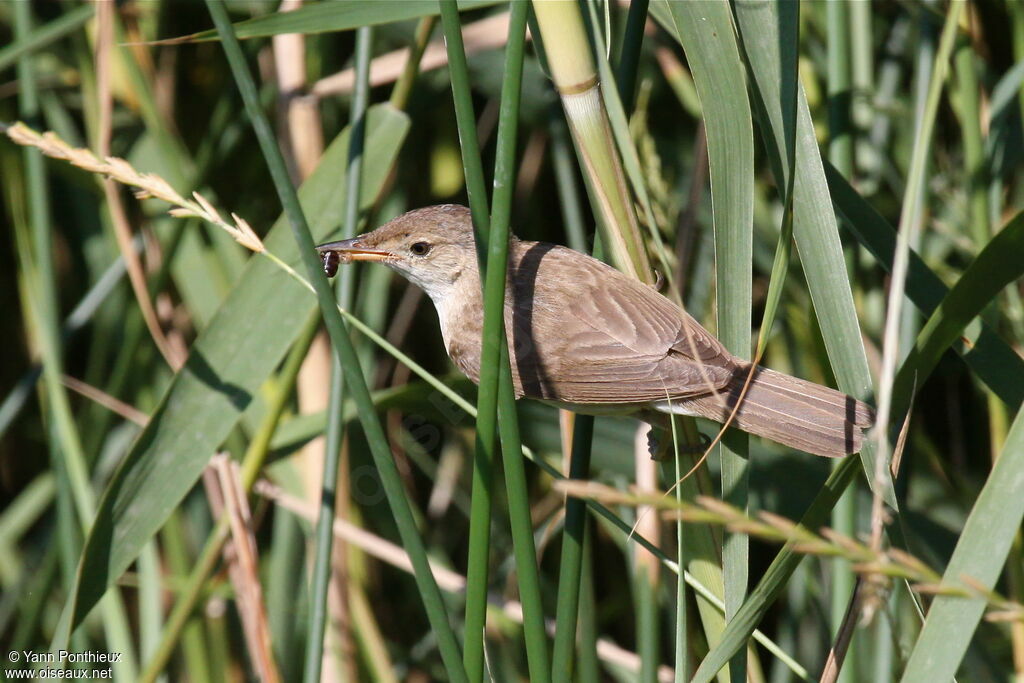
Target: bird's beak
x=352, y=250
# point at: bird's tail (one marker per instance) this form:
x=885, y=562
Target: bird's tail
x=791, y=411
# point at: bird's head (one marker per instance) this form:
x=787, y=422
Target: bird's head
x=431, y=247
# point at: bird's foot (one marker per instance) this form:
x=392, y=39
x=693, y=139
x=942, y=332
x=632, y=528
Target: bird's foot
x=659, y=444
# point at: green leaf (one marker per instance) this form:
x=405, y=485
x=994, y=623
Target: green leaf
x=227, y=364
x=980, y=554
x=788, y=135
x=999, y=264
x=324, y=17
x=991, y=358
x=46, y=34
x=706, y=32
x=815, y=227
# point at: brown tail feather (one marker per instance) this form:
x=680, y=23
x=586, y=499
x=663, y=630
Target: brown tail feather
x=791, y=411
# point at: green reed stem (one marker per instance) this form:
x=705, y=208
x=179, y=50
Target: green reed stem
x=36, y=591
x=35, y=250
x=478, y=563
x=683, y=663
x=840, y=82
x=335, y=421
x=494, y=336
x=403, y=86
x=495, y=396
x=629, y=59
x=476, y=187
x=966, y=94
x=910, y=221
x=566, y=614
x=195, y=648
x=376, y=439
x=840, y=152
x=587, y=667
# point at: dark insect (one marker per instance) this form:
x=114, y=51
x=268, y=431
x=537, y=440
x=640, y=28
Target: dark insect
x=331, y=259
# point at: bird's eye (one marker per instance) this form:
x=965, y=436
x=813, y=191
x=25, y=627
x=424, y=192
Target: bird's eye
x=420, y=249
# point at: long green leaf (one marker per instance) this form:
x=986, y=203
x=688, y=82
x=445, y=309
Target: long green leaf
x=324, y=17
x=815, y=227
x=991, y=358
x=244, y=343
x=999, y=264
x=706, y=32
x=796, y=162
x=980, y=554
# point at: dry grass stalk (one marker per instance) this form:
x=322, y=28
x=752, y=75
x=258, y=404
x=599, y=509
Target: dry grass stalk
x=146, y=184
x=243, y=566
x=174, y=353
x=876, y=565
x=841, y=645
x=486, y=34
x=128, y=412
x=149, y=185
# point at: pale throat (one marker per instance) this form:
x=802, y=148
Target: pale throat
x=453, y=297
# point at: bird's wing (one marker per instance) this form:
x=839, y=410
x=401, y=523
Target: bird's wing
x=583, y=332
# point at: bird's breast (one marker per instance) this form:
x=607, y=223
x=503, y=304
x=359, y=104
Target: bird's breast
x=461, y=318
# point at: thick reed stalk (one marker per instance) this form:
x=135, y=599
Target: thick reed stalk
x=575, y=77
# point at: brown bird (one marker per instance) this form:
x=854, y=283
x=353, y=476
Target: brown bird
x=586, y=337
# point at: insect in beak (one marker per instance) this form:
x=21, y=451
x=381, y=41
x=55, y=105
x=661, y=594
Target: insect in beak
x=333, y=254
x=331, y=260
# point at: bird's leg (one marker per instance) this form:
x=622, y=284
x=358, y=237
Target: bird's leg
x=660, y=439
x=657, y=443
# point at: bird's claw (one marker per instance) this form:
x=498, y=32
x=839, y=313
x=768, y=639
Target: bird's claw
x=660, y=448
